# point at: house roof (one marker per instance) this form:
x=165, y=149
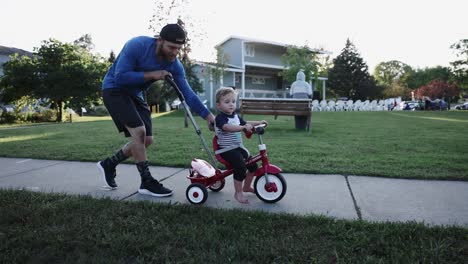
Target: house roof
x=273, y=43
x=9, y=51
x=229, y=67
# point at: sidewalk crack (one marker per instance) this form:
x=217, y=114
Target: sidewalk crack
x=356, y=207
x=165, y=178
x=33, y=169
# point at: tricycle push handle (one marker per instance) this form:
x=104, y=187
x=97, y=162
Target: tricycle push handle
x=171, y=81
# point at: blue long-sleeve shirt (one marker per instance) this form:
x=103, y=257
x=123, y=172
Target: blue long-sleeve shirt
x=139, y=56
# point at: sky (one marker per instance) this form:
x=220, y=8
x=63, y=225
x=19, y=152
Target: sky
x=416, y=32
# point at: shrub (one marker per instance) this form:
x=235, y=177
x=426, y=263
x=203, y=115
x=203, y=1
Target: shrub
x=99, y=110
x=7, y=118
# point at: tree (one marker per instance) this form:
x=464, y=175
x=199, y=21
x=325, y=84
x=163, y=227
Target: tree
x=299, y=58
x=438, y=89
x=391, y=76
x=67, y=74
x=111, y=58
x=85, y=42
x=172, y=11
x=460, y=66
x=386, y=73
x=419, y=77
x=350, y=77
x=20, y=76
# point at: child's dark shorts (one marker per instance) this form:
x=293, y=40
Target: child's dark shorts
x=236, y=158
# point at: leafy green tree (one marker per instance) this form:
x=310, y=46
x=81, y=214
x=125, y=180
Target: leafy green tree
x=20, y=77
x=350, y=77
x=85, y=42
x=67, y=74
x=420, y=77
x=218, y=69
x=111, y=58
x=386, y=73
x=391, y=76
x=460, y=66
x=299, y=58
x=173, y=11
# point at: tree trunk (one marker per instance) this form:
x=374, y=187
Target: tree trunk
x=59, y=111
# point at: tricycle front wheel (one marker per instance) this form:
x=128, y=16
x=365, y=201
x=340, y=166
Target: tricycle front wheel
x=272, y=191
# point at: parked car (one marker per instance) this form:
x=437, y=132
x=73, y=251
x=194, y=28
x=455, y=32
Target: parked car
x=410, y=105
x=437, y=104
x=175, y=104
x=463, y=106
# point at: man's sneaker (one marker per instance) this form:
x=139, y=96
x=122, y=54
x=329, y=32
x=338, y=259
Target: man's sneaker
x=154, y=188
x=108, y=174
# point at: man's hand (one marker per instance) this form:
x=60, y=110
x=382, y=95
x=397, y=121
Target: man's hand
x=156, y=75
x=210, y=119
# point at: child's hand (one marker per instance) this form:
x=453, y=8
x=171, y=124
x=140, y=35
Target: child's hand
x=248, y=127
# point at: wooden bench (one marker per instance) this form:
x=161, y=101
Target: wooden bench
x=277, y=106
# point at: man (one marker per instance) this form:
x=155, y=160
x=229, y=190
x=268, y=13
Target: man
x=300, y=89
x=142, y=61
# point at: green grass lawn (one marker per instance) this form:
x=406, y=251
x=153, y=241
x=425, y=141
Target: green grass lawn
x=424, y=145
x=54, y=228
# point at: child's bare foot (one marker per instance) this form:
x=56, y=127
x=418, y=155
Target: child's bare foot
x=248, y=189
x=240, y=198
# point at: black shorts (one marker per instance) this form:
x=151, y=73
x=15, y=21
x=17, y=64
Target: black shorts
x=127, y=110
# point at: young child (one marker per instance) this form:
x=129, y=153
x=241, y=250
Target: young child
x=228, y=127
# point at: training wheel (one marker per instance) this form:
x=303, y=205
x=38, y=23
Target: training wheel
x=196, y=193
x=217, y=186
x=273, y=191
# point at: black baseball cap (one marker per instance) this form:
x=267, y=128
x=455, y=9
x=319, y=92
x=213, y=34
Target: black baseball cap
x=173, y=33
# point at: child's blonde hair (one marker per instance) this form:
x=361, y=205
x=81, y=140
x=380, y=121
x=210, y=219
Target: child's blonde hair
x=223, y=91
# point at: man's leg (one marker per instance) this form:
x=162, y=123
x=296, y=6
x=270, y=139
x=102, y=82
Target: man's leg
x=149, y=185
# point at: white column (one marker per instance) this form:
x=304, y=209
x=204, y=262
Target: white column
x=234, y=79
x=211, y=90
x=323, y=89
x=243, y=84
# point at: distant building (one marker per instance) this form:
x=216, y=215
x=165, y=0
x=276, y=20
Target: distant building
x=6, y=52
x=253, y=67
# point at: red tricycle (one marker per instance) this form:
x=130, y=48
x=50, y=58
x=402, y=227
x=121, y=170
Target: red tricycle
x=269, y=185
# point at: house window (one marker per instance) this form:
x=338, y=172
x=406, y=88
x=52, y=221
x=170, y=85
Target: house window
x=249, y=50
x=202, y=83
x=238, y=79
x=258, y=80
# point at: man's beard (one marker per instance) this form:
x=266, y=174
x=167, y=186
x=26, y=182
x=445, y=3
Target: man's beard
x=165, y=56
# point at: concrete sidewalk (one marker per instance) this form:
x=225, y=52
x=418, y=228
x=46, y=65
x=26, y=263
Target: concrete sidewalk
x=345, y=197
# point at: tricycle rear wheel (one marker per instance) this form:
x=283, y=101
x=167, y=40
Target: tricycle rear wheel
x=218, y=185
x=196, y=193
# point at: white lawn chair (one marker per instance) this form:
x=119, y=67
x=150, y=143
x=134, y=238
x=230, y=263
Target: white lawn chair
x=357, y=105
x=365, y=106
x=340, y=105
x=373, y=105
x=331, y=105
x=315, y=106
x=323, y=105
x=349, y=105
